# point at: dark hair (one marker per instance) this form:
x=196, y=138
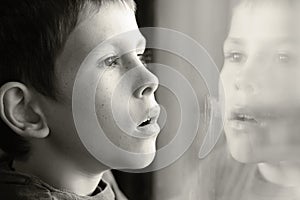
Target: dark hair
x=32, y=35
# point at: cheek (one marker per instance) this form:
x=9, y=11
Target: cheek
x=241, y=147
x=227, y=78
x=106, y=91
x=280, y=141
x=113, y=103
x=283, y=84
x=103, y=105
x=286, y=130
x=103, y=97
x=226, y=87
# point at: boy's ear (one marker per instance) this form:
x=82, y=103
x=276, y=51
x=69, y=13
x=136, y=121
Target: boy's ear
x=20, y=110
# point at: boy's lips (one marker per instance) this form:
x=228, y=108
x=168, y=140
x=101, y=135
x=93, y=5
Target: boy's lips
x=148, y=126
x=241, y=118
x=151, y=117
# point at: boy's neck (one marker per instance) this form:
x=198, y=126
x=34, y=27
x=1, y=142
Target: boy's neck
x=285, y=174
x=60, y=173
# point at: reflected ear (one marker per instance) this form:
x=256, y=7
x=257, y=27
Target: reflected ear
x=20, y=110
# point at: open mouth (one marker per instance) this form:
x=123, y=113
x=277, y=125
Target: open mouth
x=244, y=118
x=249, y=118
x=241, y=121
x=145, y=122
x=148, y=126
x=150, y=118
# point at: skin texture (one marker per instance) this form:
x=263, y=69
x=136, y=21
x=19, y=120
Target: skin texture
x=49, y=124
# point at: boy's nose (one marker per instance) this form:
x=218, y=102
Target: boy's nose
x=249, y=77
x=244, y=86
x=148, y=84
x=146, y=81
x=245, y=82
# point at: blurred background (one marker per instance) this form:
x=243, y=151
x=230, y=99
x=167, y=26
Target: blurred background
x=189, y=178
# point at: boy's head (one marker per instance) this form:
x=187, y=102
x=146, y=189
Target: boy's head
x=43, y=44
x=261, y=80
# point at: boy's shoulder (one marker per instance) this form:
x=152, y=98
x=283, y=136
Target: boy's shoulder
x=17, y=186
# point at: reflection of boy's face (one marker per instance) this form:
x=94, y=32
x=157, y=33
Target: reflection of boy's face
x=261, y=77
x=138, y=101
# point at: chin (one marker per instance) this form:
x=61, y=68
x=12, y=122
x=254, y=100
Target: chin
x=144, y=162
x=139, y=156
x=240, y=147
x=146, y=159
x=243, y=155
x=242, y=151
x=140, y=163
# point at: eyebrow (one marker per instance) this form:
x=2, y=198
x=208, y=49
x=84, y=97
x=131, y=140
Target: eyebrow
x=279, y=41
x=233, y=40
x=287, y=41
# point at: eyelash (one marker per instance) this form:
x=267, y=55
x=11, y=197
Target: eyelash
x=114, y=60
x=235, y=57
x=111, y=61
x=143, y=59
x=283, y=58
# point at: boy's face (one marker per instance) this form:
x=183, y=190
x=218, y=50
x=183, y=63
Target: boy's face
x=261, y=77
x=133, y=100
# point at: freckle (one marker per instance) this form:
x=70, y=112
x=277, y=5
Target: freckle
x=102, y=105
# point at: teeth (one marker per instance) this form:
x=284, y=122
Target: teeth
x=246, y=117
x=147, y=121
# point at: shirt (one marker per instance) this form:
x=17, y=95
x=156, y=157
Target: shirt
x=18, y=186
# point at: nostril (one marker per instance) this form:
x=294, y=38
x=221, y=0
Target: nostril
x=244, y=86
x=147, y=91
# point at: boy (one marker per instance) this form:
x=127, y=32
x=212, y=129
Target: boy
x=43, y=44
x=262, y=92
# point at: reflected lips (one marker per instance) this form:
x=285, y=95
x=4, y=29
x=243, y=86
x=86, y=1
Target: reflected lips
x=242, y=119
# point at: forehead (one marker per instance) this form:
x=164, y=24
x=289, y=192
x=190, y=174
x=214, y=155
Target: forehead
x=265, y=21
x=96, y=27
x=110, y=20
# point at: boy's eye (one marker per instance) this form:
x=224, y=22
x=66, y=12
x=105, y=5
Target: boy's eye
x=283, y=58
x=235, y=57
x=142, y=58
x=111, y=61
x=145, y=57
